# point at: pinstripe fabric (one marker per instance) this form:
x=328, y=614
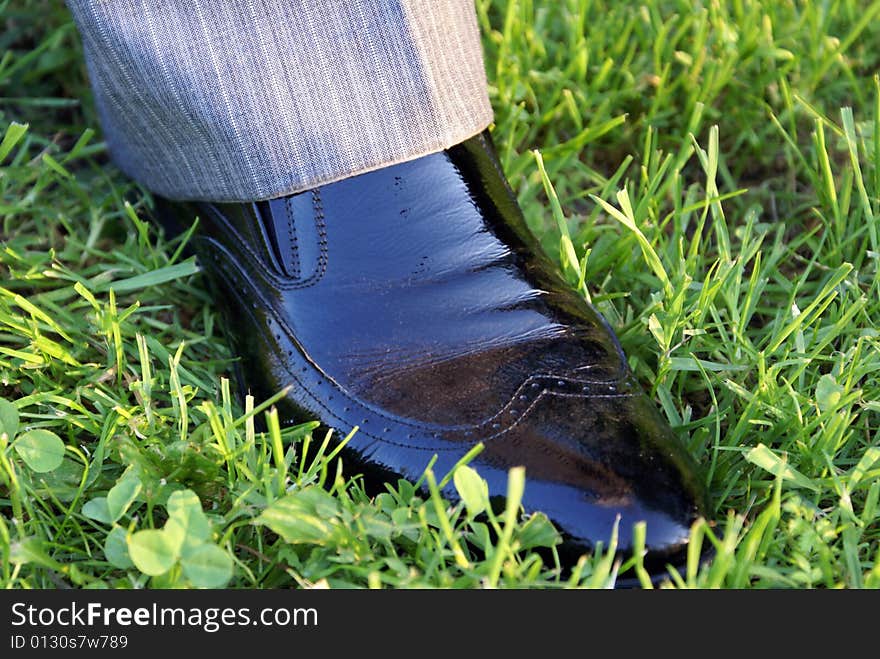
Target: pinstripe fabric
x=237, y=100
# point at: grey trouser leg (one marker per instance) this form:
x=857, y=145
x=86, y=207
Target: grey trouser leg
x=238, y=100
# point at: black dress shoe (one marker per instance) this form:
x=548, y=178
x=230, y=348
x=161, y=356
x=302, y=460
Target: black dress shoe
x=414, y=302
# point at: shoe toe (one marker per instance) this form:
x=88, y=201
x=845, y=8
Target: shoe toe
x=595, y=461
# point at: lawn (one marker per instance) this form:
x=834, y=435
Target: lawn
x=707, y=175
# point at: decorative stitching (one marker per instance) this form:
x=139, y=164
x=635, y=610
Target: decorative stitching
x=323, y=252
x=291, y=237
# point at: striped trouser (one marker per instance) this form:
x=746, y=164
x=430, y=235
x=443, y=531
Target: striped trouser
x=238, y=100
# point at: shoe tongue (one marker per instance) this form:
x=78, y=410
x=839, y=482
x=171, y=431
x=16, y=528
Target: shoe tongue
x=281, y=239
x=293, y=233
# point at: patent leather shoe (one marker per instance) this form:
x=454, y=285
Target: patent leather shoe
x=414, y=303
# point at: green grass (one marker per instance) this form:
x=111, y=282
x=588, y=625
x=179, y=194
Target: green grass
x=709, y=178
